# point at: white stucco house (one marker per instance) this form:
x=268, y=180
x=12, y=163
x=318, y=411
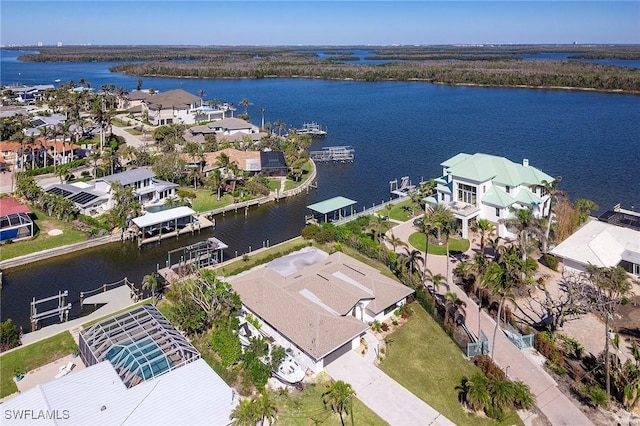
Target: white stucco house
x=317, y=306
x=94, y=197
x=483, y=186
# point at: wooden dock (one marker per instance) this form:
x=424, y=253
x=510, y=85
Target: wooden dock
x=312, y=129
x=335, y=154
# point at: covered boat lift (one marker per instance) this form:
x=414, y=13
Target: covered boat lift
x=331, y=209
x=168, y=223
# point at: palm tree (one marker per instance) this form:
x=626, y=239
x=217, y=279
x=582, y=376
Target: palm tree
x=502, y=276
x=502, y=394
x=201, y=93
x=412, y=258
x=339, y=397
x=245, y=414
x=554, y=195
x=444, y=220
x=245, y=103
x=262, y=115
x=525, y=223
x=150, y=282
x=611, y=285
x=395, y=241
x=474, y=392
x=266, y=408
x=486, y=229
x=436, y=279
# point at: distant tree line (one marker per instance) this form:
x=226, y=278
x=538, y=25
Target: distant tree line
x=510, y=73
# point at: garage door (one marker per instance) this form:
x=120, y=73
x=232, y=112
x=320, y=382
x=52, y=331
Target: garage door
x=337, y=353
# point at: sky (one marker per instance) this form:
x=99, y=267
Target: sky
x=328, y=22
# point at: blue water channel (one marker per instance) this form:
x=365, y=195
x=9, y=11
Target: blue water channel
x=397, y=129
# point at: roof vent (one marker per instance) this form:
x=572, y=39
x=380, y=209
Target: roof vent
x=525, y=162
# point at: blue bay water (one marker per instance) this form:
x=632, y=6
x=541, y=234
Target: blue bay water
x=396, y=128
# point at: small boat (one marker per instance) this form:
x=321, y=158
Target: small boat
x=246, y=332
x=289, y=371
x=57, y=80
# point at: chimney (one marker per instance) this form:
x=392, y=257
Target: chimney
x=525, y=162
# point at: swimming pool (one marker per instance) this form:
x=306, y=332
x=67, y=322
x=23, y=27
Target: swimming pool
x=144, y=358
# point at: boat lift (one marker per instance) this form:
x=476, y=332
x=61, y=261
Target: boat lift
x=62, y=311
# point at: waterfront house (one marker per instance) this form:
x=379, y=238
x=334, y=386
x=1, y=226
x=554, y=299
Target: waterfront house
x=317, y=306
x=233, y=130
x=174, y=106
x=136, y=363
x=603, y=244
x=94, y=197
x=29, y=94
x=482, y=186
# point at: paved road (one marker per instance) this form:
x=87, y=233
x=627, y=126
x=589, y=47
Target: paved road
x=556, y=406
x=392, y=402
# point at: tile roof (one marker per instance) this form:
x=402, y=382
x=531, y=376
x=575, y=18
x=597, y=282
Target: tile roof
x=309, y=306
x=10, y=205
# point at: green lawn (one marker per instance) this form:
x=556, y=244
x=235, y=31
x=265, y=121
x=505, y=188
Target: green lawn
x=400, y=211
x=274, y=184
x=306, y=408
x=418, y=241
x=206, y=201
x=291, y=184
x=33, y=356
x=43, y=240
x=424, y=359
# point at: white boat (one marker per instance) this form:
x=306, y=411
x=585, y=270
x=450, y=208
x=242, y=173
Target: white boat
x=289, y=371
x=57, y=80
x=246, y=332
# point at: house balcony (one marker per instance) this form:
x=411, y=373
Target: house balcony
x=463, y=210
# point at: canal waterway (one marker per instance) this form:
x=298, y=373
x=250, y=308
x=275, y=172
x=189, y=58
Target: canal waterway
x=397, y=129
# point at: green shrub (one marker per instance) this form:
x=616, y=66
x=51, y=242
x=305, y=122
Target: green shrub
x=550, y=261
x=546, y=345
x=227, y=345
x=490, y=368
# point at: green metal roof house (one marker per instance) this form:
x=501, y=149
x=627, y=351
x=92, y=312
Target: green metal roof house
x=483, y=186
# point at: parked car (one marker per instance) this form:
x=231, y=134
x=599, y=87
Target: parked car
x=418, y=221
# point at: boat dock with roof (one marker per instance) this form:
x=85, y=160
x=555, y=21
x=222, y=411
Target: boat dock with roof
x=336, y=154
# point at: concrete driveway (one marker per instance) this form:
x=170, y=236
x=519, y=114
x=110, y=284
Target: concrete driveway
x=392, y=402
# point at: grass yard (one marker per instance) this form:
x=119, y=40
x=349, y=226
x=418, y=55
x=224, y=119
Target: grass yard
x=290, y=184
x=274, y=184
x=43, y=240
x=33, y=356
x=206, y=201
x=424, y=359
x=456, y=245
x=402, y=211
x=306, y=408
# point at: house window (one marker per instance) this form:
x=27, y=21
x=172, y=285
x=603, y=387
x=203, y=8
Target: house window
x=543, y=191
x=497, y=212
x=467, y=193
x=507, y=189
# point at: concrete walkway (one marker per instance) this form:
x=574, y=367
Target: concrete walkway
x=557, y=407
x=391, y=401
